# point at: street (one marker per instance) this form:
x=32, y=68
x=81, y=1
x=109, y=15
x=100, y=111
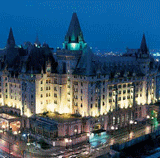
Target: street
x=15, y=147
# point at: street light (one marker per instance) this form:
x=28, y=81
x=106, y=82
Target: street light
x=66, y=141
x=3, y=127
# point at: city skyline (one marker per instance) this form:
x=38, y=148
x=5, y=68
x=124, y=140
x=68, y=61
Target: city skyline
x=106, y=25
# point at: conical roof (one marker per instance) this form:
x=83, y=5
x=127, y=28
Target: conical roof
x=143, y=46
x=74, y=29
x=37, y=43
x=10, y=40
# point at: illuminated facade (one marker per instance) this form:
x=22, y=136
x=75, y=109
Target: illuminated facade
x=76, y=81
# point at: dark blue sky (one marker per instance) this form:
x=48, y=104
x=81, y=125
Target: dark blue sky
x=106, y=24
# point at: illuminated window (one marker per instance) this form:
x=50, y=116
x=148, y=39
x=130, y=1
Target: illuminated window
x=55, y=95
x=55, y=101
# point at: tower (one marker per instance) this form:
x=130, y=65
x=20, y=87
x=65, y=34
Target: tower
x=143, y=56
x=74, y=38
x=10, y=40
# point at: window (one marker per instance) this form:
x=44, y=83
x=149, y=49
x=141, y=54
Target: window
x=6, y=96
x=32, y=103
x=82, y=84
x=55, y=95
x=46, y=101
x=119, y=86
x=128, y=97
x=55, y=88
x=81, y=105
x=0, y=96
x=91, y=99
x=46, y=94
x=31, y=96
x=49, y=88
x=41, y=82
x=91, y=84
x=110, y=94
x=91, y=106
x=46, y=81
x=124, y=86
x=103, y=82
x=119, y=92
x=103, y=96
x=81, y=98
x=103, y=90
x=128, y=91
x=136, y=95
x=103, y=103
x=124, y=98
x=41, y=102
x=46, y=88
x=49, y=94
x=110, y=100
x=96, y=105
x=41, y=88
x=124, y=91
x=6, y=90
x=129, y=85
x=119, y=98
x=140, y=95
x=55, y=101
x=6, y=84
x=110, y=87
x=49, y=81
x=41, y=95
x=81, y=91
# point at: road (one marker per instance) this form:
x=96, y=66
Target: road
x=16, y=146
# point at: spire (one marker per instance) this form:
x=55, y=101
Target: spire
x=74, y=30
x=10, y=41
x=143, y=46
x=37, y=43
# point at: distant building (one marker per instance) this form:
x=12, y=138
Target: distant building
x=107, y=92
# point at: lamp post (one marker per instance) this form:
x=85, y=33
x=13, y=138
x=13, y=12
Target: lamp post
x=112, y=129
x=130, y=128
x=3, y=127
x=66, y=141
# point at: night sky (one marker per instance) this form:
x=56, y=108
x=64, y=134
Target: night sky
x=106, y=24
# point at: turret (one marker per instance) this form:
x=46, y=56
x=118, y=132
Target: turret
x=74, y=38
x=10, y=40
